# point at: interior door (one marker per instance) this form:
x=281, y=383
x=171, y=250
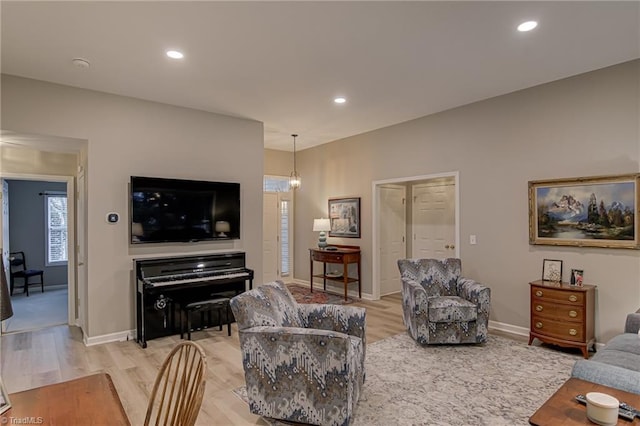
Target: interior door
x=433, y=212
x=392, y=235
x=270, y=246
x=81, y=249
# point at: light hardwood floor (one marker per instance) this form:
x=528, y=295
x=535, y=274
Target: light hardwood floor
x=57, y=354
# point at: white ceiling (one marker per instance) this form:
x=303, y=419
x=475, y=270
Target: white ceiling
x=282, y=63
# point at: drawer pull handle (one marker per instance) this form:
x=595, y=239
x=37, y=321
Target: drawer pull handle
x=539, y=308
x=538, y=324
x=573, y=298
x=573, y=314
x=573, y=331
x=539, y=293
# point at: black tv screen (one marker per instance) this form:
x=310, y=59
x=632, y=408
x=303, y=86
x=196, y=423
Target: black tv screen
x=178, y=210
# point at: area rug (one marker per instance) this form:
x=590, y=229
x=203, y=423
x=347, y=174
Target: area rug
x=303, y=294
x=500, y=383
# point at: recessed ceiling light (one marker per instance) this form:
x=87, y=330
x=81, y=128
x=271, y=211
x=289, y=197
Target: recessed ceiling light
x=527, y=26
x=340, y=100
x=174, y=54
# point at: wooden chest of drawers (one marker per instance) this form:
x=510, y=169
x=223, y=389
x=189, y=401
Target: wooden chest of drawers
x=563, y=315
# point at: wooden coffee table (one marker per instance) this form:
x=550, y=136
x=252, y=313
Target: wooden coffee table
x=563, y=410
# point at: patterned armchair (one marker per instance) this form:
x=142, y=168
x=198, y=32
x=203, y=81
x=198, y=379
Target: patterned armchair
x=439, y=306
x=302, y=362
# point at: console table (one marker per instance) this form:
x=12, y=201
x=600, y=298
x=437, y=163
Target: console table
x=342, y=255
x=563, y=314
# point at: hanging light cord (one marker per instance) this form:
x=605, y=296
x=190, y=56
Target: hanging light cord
x=295, y=170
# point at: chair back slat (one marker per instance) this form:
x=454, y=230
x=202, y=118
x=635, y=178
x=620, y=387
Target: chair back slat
x=179, y=388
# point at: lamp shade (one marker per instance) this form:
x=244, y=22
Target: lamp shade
x=321, y=225
x=221, y=227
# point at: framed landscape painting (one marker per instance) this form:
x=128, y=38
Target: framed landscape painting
x=596, y=211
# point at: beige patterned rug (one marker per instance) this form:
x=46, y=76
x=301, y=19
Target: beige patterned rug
x=500, y=383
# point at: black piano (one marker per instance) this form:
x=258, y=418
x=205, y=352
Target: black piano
x=163, y=284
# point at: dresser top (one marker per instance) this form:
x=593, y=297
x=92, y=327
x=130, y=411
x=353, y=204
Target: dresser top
x=561, y=286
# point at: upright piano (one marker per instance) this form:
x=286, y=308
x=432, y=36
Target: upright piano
x=163, y=284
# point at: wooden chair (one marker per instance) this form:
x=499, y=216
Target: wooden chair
x=179, y=387
x=19, y=270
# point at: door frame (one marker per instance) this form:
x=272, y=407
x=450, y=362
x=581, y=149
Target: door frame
x=71, y=236
x=375, y=240
x=280, y=197
x=378, y=209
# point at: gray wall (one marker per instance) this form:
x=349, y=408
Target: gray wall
x=581, y=126
x=27, y=227
x=126, y=137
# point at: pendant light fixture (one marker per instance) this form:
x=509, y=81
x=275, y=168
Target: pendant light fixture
x=294, y=178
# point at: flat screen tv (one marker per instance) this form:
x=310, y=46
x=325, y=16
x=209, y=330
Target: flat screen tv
x=178, y=210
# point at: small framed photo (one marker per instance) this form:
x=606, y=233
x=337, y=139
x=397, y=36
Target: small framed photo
x=4, y=398
x=552, y=270
x=577, y=277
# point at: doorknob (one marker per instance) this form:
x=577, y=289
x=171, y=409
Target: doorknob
x=446, y=246
x=452, y=246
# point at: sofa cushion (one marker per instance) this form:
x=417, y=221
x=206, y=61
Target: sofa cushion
x=626, y=342
x=607, y=374
x=451, y=309
x=622, y=351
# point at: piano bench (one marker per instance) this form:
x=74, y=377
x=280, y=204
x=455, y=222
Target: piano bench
x=219, y=305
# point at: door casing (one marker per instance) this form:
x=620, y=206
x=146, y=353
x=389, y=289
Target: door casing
x=376, y=218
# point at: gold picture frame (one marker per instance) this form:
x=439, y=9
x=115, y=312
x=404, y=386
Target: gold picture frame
x=599, y=211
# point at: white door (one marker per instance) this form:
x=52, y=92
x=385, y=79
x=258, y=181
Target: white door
x=392, y=238
x=81, y=248
x=270, y=271
x=434, y=218
x=4, y=231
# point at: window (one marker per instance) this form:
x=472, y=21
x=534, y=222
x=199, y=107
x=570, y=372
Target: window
x=56, y=228
x=285, y=259
x=280, y=184
x=276, y=184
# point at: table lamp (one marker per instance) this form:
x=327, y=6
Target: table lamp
x=222, y=227
x=322, y=225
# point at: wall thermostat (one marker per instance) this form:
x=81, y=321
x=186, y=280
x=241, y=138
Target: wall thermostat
x=113, y=217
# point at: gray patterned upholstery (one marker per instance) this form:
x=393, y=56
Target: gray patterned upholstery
x=302, y=362
x=439, y=306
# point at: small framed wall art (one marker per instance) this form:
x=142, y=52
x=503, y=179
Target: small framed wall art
x=344, y=214
x=552, y=270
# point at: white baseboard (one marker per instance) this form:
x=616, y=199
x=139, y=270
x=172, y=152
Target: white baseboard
x=120, y=336
x=508, y=328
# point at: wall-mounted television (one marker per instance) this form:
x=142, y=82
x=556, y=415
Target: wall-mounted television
x=178, y=210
